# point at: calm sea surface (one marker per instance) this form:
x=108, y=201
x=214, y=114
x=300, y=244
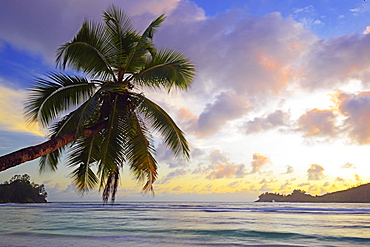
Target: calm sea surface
x=185, y=224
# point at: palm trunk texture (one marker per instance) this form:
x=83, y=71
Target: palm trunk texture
x=34, y=152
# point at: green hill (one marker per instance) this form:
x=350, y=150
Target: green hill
x=359, y=194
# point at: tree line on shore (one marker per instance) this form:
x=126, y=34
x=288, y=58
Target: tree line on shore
x=20, y=189
x=359, y=194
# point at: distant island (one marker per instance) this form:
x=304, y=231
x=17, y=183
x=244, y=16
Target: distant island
x=20, y=189
x=359, y=194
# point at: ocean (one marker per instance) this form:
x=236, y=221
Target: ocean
x=184, y=224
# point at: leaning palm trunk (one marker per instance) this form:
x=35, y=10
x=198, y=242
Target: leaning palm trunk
x=33, y=152
x=119, y=64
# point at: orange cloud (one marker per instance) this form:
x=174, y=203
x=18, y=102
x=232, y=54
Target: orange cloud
x=258, y=162
x=280, y=72
x=318, y=123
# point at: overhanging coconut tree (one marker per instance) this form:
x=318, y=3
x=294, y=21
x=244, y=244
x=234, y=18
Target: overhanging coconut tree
x=103, y=119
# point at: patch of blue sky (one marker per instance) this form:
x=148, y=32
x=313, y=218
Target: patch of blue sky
x=325, y=18
x=18, y=68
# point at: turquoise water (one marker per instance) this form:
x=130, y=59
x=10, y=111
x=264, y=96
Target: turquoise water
x=185, y=224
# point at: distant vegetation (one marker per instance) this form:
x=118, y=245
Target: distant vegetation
x=19, y=189
x=359, y=194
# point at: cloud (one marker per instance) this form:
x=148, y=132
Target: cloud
x=220, y=167
x=358, y=179
x=335, y=62
x=258, y=162
x=265, y=187
x=289, y=169
x=367, y=30
x=265, y=181
x=348, y=166
x=355, y=108
x=165, y=155
x=318, y=123
x=227, y=171
x=59, y=22
x=216, y=157
x=177, y=188
x=303, y=184
x=313, y=188
x=251, y=57
x=172, y=175
x=228, y=106
x=260, y=124
x=340, y=180
x=285, y=186
x=233, y=184
x=187, y=120
x=326, y=184
x=315, y=172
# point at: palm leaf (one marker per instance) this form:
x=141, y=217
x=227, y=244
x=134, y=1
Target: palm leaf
x=90, y=51
x=122, y=36
x=166, y=69
x=83, y=154
x=144, y=45
x=111, y=157
x=51, y=160
x=55, y=95
x=163, y=123
x=139, y=152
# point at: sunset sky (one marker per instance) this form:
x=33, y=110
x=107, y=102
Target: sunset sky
x=281, y=99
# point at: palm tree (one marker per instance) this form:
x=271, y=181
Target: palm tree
x=109, y=121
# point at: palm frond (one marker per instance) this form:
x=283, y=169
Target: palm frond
x=110, y=188
x=86, y=114
x=90, y=51
x=140, y=151
x=137, y=58
x=123, y=38
x=111, y=157
x=166, y=69
x=84, y=153
x=51, y=160
x=55, y=95
x=164, y=124
x=117, y=20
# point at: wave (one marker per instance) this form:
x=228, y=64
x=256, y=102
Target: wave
x=196, y=235
x=280, y=208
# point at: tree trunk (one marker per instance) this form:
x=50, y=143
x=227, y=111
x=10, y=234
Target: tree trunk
x=34, y=152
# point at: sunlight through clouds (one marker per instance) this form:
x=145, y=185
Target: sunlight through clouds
x=281, y=99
